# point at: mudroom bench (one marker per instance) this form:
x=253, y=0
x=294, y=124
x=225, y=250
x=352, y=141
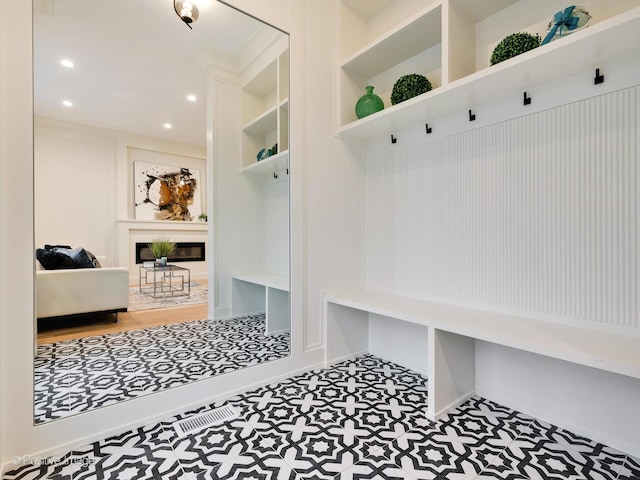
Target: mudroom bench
x=452, y=331
x=262, y=292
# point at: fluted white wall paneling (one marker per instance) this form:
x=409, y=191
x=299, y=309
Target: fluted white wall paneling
x=537, y=214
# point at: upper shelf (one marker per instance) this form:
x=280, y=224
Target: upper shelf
x=616, y=37
x=422, y=31
x=268, y=165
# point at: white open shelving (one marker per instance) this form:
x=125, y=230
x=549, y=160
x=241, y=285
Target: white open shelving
x=269, y=165
x=456, y=38
x=265, y=116
x=420, y=32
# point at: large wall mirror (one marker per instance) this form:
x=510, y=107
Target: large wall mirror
x=152, y=130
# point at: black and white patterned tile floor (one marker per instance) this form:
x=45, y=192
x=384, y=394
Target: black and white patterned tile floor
x=360, y=419
x=79, y=375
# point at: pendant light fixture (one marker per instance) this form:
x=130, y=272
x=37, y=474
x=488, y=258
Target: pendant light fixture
x=186, y=10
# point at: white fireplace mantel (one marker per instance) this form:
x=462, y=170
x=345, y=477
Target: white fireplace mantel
x=130, y=231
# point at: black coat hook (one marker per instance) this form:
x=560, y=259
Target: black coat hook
x=472, y=116
x=428, y=128
x=393, y=139
x=527, y=99
x=287, y=171
x=275, y=175
x=598, y=78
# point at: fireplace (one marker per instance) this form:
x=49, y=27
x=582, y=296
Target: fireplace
x=184, y=252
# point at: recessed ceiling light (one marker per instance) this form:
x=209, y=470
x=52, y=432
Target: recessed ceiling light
x=67, y=63
x=67, y=103
x=167, y=126
x=191, y=98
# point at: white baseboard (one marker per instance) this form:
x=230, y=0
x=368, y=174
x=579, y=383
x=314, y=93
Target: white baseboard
x=443, y=411
x=351, y=356
x=280, y=332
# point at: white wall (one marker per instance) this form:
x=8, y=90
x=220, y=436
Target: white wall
x=84, y=183
x=236, y=208
x=276, y=224
x=403, y=343
x=16, y=227
x=75, y=187
x=333, y=177
x=534, y=215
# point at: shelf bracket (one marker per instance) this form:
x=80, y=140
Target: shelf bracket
x=472, y=116
x=393, y=139
x=527, y=99
x=428, y=128
x=598, y=78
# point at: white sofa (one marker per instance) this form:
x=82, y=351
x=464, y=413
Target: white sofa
x=82, y=290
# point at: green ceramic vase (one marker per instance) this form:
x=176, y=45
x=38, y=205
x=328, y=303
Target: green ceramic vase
x=369, y=103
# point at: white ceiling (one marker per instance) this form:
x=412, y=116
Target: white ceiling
x=135, y=63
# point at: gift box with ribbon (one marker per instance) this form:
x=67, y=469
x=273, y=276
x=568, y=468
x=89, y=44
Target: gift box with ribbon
x=570, y=20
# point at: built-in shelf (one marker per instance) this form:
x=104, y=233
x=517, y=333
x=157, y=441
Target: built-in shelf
x=420, y=32
x=162, y=224
x=272, y=280
x=265, y=113
x=617, y=37
x=263, y=124
x=269, y=165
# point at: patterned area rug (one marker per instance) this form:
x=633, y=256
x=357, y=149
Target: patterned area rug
x=142, y=301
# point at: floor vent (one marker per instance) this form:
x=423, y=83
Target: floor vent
x=204, y=420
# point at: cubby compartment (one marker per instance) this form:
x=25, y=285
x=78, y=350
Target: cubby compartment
x=362, y=22
x=265, y=115
x=259, y=134
x=414, y=46
x=464, y=16
x=475, y=28
x=259, y=94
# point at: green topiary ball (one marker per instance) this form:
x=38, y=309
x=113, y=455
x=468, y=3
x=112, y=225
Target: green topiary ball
x=409, y=86
x=514, y=45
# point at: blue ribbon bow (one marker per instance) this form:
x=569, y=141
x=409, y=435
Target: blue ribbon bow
x=562, y=20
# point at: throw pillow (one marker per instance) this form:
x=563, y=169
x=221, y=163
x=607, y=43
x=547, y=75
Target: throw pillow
x=78, y=255
x=94, y=260
x=53, y=247
x=54, y=260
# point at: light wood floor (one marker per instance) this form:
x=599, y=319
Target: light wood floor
x=57, y=330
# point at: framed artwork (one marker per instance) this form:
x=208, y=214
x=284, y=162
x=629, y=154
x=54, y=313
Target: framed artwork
x=164, y=192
